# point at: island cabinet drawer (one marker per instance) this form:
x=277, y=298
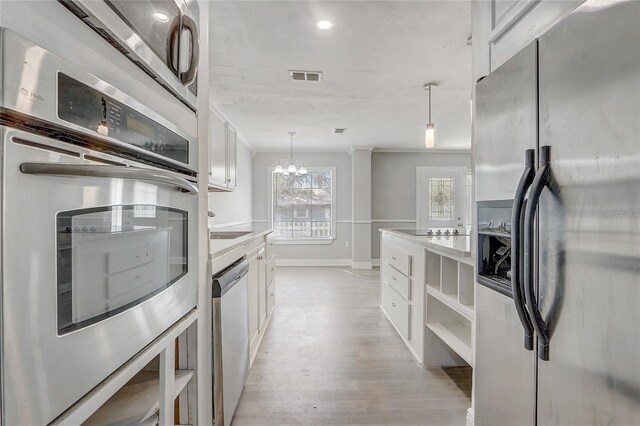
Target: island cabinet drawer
x=271, y=269
x=398, y=281
x=398, y=310
x=398, y=259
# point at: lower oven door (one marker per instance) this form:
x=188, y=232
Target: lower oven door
x=98, y=261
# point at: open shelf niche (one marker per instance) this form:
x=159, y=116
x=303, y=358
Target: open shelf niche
x=451, y=328
x=450, y=303
x=155, y=387
x=433, y=270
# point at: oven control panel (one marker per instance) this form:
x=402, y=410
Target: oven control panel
x=85, y=106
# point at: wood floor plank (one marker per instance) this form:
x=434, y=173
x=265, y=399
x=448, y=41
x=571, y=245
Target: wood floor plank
x=330, y=357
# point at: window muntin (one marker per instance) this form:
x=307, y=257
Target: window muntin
x=303, y=205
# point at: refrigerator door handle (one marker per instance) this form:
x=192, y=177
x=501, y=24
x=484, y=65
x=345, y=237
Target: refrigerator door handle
x=541, y=180
x=517, y=219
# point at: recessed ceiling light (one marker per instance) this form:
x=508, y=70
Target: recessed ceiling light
x=161, y=17
x=324, y=25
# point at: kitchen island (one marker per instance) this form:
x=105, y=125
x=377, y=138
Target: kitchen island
x=427, y=292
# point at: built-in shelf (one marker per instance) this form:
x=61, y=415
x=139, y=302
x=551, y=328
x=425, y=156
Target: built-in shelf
x=456, y=336
x=452, y=302
x=138, y=401
x=433, y=270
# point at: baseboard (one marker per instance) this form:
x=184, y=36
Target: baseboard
x=470, y=418
x=325, y=262
x=361, y=265
x=313, y=262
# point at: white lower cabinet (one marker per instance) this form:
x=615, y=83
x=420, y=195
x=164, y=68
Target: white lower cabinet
x=262, y=290
x=253, y=277
x=399, y=263
x=270, y=293
x=261, y=295
x=398, y=310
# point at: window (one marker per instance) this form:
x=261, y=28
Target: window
x=441, y=199
x=303, y=207
x=301, y=213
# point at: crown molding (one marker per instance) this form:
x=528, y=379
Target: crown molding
x=422, y=151
x=361, y=148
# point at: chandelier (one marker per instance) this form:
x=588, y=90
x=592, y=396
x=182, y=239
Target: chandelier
x=290, y=167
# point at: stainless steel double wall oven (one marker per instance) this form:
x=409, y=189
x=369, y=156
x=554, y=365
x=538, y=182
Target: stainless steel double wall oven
x=99, y=238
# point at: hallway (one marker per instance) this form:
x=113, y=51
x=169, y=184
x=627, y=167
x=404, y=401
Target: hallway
x=330, y=357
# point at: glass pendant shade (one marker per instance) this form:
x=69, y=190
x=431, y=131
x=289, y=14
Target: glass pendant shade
x=429, y=133
x=302, y=170
x=429, y=136
x=292, y=168
x=278, y=169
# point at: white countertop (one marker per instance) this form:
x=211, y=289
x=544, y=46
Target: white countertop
x=459, y=245
x=218, y=247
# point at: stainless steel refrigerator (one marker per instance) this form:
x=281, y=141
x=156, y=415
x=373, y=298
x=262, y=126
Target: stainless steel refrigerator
x=558, y=190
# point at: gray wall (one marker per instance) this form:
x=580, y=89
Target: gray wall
x=393, y=195
x=237, y=206
x=342, y=162
x=393, y=188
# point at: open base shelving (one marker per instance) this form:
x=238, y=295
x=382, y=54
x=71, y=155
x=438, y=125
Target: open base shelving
x=449, y=310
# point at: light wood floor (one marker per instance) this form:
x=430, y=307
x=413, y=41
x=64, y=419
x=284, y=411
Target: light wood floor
x=331, y=357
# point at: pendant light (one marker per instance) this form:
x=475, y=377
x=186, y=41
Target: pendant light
x=429, y=134
x=289, y=167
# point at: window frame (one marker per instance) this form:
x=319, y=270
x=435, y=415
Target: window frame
x=311, y=240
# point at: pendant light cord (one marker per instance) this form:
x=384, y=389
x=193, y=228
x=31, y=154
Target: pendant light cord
x=429, y=104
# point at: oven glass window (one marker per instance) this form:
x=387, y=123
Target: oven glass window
x=112, y=258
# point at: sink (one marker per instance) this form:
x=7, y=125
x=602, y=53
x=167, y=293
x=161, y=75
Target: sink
x=227, y=235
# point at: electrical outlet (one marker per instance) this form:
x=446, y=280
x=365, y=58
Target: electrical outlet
x=346, y=244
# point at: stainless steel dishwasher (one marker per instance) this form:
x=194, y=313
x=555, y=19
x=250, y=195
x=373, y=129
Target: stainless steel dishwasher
x=230, y=339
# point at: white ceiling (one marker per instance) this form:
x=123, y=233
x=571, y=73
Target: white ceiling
x=375, y=61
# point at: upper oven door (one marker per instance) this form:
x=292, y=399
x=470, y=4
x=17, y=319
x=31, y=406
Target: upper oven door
x=98, y=260
x=149, y=33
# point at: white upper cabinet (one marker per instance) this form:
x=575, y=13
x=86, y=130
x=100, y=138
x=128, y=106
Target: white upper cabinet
x=222, y=153
x=501, y=28
x=231, y=156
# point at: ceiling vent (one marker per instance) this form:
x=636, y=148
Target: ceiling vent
x=306, y=75
x=339, y=130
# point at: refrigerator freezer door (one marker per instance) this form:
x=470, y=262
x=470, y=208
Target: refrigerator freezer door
x=589, y=226
x=504, y=370
x=506, y=103
x=506, y=117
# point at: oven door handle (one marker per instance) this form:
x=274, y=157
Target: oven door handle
x=115, y=172
x=189, y=76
